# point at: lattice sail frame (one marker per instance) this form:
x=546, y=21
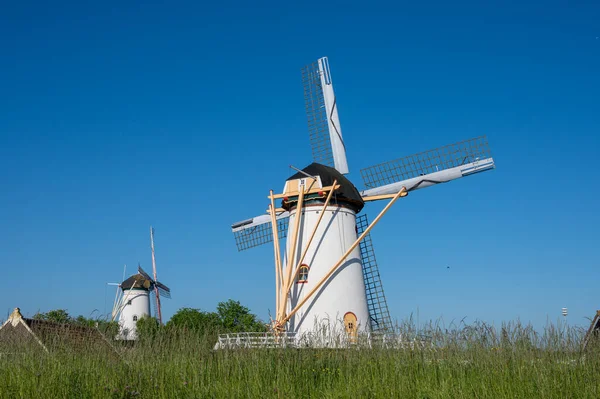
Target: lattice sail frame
x=163, y=290
x=324, y=127
x=376, y=301
x=316, y=115
x=260, y=234
x=427, y=162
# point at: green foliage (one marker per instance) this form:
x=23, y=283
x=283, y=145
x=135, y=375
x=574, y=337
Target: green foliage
x=55, y=316
x=195, y=320
x=468, y=362
x=147, y=327
x=237, y=318
x=231, y=316
x=109, y=328
x=83, y=321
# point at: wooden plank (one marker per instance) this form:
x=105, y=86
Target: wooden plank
x=292, y=254
x=278, y=267
x=382, y=196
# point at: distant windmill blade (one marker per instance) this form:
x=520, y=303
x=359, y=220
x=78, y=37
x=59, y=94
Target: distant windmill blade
x=162, y=286
x=258, y=231
x=163, y=290
x=164, y=293
x=324, y=126
x=143, y=273
x=154, y=309
x=429, y=168
x=376, y=302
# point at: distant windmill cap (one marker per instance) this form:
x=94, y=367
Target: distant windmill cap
x=136, y=281
x=347, y=193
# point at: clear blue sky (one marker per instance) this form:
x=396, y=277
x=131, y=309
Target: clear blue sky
x=183, y=115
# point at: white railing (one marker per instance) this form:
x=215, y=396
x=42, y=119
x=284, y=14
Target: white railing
x=255, y=340
x=315, y=340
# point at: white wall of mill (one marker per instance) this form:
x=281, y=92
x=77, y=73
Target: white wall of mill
x=345, y=290
x=140, y=306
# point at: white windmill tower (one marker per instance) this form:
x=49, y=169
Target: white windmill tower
x=132, y=304
x=328, y=271
x=134, y=299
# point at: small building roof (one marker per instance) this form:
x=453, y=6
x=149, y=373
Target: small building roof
x=347, y=193
x=594, y=329
x=18, y=332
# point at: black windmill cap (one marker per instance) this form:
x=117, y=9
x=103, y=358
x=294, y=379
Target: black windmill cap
x=135, y=281
x=346, y=193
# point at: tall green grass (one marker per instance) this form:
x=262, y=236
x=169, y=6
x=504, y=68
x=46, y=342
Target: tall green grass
x=464, y=361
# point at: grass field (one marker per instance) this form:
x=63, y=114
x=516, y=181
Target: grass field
x=474, y=361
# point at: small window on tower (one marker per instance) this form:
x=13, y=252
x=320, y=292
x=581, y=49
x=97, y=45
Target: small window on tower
x=134, y=318
x=129, y=302
x=303, y=274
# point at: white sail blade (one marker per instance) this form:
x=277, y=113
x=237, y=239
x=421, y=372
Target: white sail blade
x=333, y=121
x=431, y=179
x=324, y=127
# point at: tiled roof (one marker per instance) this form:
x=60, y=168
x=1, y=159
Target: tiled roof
x=594, y=329
x=19, y=331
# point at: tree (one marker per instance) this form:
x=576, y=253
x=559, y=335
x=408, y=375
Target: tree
x=110, y=328
x=237, y=318
x=231, y=316
x=195, y=320
x=57, y=316
x=84, y=321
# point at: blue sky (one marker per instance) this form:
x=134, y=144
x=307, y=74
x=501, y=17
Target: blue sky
x=183, y=115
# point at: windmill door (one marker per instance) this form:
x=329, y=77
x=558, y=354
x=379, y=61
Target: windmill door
x=350, y=322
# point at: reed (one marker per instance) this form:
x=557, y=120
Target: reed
x=463, y=361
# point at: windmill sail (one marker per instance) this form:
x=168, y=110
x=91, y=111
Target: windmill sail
x=162, y=289
x=321, y=111
x=154, y=308
x=376, y=302
x=144, y=274
x=428, y=168
x=327, y=148
x=257, y=231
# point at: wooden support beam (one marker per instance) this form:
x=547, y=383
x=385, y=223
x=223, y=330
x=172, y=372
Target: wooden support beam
x=278, y=267
x=312, y=235
x=292, y=253
x=382, y=196
x=341, y=260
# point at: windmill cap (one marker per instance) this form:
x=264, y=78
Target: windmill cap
x=136, y=281
x=346, y=194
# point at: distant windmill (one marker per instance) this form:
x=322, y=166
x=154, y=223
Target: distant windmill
x=328, y=269
x=133, y=300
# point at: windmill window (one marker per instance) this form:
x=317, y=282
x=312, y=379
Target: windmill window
x=129, y=302
x=303, y=274
x=134, y=318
